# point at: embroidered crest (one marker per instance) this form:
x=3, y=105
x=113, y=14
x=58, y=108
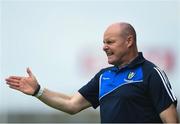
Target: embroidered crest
x=131, y=75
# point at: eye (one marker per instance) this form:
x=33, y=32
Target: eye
x=108, y=42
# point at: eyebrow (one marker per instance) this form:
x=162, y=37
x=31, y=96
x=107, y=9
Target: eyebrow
x=108, y=40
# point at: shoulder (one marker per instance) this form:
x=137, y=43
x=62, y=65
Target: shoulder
x=98, y=74
x=149, y=68
x=153, y=74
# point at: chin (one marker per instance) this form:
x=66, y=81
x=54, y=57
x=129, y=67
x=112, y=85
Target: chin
x=115, y=63
x=111, y=62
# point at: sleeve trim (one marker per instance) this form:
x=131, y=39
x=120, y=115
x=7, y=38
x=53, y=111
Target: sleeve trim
x=166, y=83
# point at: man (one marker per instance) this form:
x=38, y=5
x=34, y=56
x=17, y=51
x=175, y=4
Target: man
x=133, y=90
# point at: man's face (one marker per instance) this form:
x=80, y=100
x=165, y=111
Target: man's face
x=115, y=46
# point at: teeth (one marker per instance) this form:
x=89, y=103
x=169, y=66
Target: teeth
x=109, y=53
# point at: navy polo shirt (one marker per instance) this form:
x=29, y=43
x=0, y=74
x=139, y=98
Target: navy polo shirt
x=138, y=92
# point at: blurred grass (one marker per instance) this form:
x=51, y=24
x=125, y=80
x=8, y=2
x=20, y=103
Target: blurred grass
x=49, y=117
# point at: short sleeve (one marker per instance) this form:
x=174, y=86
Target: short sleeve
x=160, y=90
x=90, y=91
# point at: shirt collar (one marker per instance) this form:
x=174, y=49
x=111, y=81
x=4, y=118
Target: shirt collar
x=137, y=61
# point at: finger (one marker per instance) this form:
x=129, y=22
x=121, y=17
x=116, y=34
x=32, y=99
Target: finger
x=13, y=84
x=14, y=87
x=29, y=72
x=12, y=80
x=15, y=77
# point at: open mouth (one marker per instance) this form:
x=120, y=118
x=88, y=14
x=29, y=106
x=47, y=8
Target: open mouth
x=109, y=53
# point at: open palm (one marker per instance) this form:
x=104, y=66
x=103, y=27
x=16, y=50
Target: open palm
x=26, y=85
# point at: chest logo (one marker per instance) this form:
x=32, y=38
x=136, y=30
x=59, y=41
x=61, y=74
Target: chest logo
x=131, y=75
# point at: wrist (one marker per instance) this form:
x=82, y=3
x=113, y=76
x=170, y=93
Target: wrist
x=38, y=92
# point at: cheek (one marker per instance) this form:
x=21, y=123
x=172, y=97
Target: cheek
x=118, y=49
x=122, y=47
x=120, y=52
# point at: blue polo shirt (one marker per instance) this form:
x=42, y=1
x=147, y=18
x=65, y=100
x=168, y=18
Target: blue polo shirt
x=138, y=92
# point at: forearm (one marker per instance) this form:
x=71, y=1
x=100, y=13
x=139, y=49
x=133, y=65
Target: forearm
x=57, y=100
x=29, y=85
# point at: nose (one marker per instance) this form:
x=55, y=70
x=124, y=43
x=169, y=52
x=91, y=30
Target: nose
x=105, y=47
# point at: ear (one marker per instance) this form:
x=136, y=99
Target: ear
x=129, y=41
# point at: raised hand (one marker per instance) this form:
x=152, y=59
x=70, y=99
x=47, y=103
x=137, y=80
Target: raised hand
x=27, y=85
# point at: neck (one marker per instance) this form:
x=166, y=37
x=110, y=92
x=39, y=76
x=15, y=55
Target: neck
x=129, y=59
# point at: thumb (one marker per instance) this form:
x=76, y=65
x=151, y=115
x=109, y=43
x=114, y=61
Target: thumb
x=29, y=72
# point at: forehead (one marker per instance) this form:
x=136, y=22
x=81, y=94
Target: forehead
x=113, y=31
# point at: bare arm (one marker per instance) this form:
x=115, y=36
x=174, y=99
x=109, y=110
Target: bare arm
x=69, y=104
x=169, y=115
x=65, y=103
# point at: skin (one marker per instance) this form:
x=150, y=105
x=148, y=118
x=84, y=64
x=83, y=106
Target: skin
x=69, y=104
x=120, y=47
